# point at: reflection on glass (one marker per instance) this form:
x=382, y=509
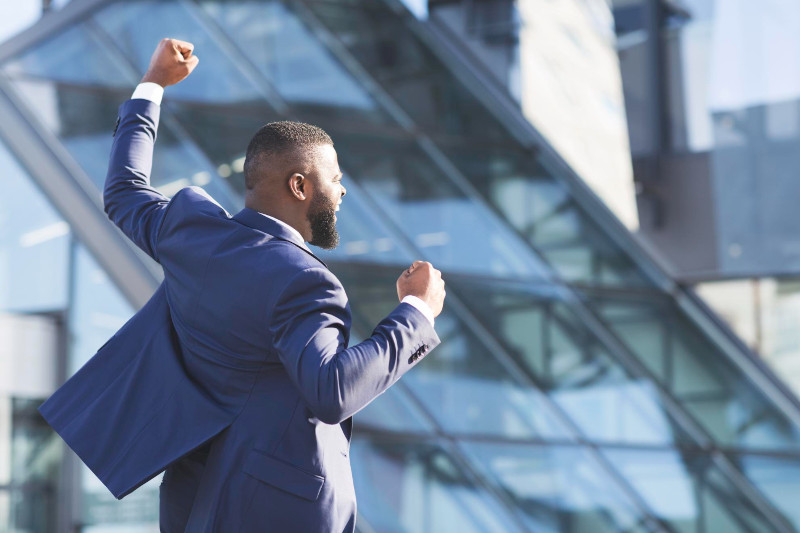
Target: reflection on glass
x=34, y=244
x=557, y=489
x=544, y=212
x=699, y=376
x=409, y=487
x=406, y=69
x=75, y=56
x=394, y=410
x=683, y=491
x=304, y=73
x=137, y=27
x=777, y=478
x=536, y=326
x=98, y=309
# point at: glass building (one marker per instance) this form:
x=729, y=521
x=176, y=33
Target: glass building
x=578, y=388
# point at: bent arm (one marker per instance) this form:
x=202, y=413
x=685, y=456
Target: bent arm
x=310, y=328
x=129, y=201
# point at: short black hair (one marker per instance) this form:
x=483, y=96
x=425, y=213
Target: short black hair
x=278, y=138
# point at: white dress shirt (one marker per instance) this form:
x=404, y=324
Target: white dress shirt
x=149, y=91
x=155, y=93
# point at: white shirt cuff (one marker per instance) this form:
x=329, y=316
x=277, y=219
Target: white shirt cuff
x=149, y=91
x=424, y=308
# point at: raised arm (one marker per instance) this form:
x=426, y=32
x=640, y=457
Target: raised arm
x=310, y=328
x=129, y=200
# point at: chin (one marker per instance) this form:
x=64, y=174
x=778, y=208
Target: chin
x=327, y=244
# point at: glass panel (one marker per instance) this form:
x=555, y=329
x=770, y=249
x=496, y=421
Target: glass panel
x=776, y=477
x=405, y=68
x=74, y=56
x=699, y=376
x=462, y=384
x=98, y=309
x=538, y=328
x=544, y=213
x=137, y=27
x=304, y=74
x=394, y=410
x=558, y=489
x=34, y=244
x=407, y=487
x=681, y=490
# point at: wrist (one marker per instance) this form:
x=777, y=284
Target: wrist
x=153, y=78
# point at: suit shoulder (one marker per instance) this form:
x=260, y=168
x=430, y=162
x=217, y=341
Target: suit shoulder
x=197, y=199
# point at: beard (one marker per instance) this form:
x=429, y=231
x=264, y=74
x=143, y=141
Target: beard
x=321, y=214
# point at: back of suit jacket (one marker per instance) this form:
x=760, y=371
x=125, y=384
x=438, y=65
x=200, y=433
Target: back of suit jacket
x=262, y=382
x=277, y=463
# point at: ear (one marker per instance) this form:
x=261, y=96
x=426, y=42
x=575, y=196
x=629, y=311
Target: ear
x=298, y=185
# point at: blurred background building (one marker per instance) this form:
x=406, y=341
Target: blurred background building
x=582, y=386
x=712, y=91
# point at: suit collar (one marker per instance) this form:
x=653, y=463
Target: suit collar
x=256, y=220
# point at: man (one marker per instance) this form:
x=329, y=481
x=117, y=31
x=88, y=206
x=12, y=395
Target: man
x=236, y=375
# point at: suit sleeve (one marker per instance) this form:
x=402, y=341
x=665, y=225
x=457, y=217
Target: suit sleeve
x=129, y=201
x=310, y=326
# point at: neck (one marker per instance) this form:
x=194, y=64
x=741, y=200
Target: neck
x=288, y=216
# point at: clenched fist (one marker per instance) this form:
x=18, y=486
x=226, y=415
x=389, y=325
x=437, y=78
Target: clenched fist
x=171, y=62
x=424, y=282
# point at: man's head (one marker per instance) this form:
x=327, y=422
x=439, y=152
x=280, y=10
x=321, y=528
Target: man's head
x=291, y=172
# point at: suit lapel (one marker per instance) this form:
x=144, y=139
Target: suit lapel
x=254, y=219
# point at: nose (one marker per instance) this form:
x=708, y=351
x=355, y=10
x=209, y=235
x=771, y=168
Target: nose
x=344, y=191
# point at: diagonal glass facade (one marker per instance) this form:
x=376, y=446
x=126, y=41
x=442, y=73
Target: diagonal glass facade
x=576, y=390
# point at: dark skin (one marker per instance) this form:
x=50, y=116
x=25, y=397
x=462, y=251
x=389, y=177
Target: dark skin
x=290, y=182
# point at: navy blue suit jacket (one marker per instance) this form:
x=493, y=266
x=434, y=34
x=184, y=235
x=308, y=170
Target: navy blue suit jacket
x=237, y=373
